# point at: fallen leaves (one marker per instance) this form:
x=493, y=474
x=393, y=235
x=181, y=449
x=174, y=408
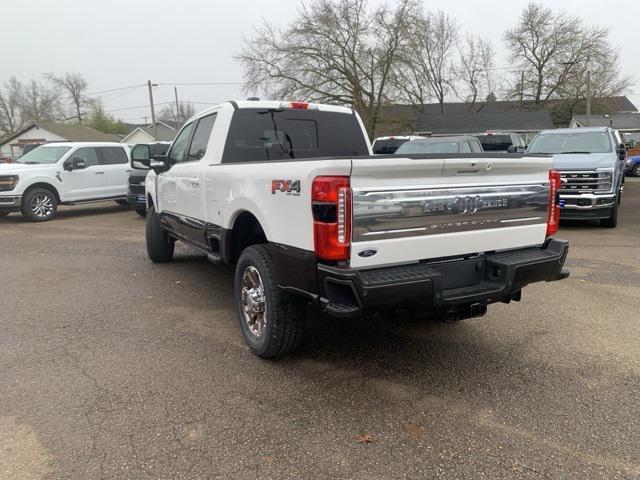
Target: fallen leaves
x=364, y=438
x=414, y=431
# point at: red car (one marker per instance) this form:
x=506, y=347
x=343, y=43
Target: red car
x=6, y=159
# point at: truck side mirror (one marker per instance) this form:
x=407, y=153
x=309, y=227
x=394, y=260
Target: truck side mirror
x=622, y=151
x=78, y=163
x=75, y=163
x=141, y=157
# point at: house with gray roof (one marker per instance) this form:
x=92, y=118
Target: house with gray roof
x=624, y=121
x=166, y=132
x=525, y=123
x=402, y=119
x=43, y=132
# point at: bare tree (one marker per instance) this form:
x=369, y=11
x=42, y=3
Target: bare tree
x=74, y=85
x=553, y=48
x=40, y=102
x=184, y=112
x=427, y=70
x=474, y=70
x=336, y=51
x=11, y=118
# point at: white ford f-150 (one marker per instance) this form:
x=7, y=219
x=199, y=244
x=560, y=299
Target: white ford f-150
x=64, y=173
x=291, y=194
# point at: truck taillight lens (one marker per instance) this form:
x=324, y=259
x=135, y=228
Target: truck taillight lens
x=331, y=207
x=553, y=219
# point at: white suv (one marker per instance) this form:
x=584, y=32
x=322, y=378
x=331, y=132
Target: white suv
x=64, y=173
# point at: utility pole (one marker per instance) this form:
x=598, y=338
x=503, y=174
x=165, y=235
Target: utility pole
x=153, y=110
x=588, y=93
x=175, y=91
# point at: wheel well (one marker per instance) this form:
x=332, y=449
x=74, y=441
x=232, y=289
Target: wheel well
x=47, y=186
x=246, y=231
x=150, y=201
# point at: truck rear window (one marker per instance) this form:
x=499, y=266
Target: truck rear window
x=492, y=143
x=258, y=135
x=388, y=147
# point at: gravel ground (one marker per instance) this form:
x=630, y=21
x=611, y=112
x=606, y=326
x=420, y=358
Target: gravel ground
x=113, y=367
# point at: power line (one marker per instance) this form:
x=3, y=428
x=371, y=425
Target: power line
x=202, y=83
x=117, y=89
x=137, y=106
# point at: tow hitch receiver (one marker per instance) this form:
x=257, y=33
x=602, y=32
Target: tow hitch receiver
x=462, y=312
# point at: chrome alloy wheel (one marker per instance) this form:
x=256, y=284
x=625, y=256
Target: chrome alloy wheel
x=254, y=301
x=42, y=205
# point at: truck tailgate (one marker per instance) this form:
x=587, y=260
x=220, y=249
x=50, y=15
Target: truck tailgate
x=425, y=207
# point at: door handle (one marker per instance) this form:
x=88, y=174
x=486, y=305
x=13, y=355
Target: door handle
x=194, y=181
x=99, y=173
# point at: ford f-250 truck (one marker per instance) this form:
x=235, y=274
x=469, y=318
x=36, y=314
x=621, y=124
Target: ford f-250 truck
x=291, y=194
x=591, y=162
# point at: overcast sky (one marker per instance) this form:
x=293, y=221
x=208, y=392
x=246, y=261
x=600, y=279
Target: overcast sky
x=117, y=43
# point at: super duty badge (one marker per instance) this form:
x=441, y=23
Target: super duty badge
x=289, y=187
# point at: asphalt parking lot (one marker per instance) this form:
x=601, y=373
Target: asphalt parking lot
x=113, y=367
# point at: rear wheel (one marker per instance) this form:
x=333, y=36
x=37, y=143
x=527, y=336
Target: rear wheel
x=636, y=171
x=160, y=245
x=39, y=205
x=272, y=321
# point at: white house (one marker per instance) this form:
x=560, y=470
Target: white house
x=43, y=132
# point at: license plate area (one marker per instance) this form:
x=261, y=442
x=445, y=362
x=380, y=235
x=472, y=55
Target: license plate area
x=460, y=273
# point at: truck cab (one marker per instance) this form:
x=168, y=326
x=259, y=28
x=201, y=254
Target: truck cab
x=591, y=162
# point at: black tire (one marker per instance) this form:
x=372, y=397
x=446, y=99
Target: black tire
x=142, y=212
x=285, y=322
x=160, y=245
x=39, y=205
x=612, y=221
x=123, y=203
x=636, y=170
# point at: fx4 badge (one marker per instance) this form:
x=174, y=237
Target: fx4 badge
x=290, y=187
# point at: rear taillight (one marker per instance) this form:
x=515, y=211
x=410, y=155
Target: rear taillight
x=553, y=219
x=331, y=207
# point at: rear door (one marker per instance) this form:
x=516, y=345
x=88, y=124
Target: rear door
x=115, y=163
x=424, y=208
x=85, y=183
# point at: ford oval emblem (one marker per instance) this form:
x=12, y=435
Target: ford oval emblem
x=369, y=252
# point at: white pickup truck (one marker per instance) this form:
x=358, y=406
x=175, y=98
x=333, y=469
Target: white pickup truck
x=64, y=173
x=291, y=194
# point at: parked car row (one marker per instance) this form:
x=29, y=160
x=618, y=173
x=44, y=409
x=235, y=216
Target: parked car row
x=591, y=162
x=508, y=142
